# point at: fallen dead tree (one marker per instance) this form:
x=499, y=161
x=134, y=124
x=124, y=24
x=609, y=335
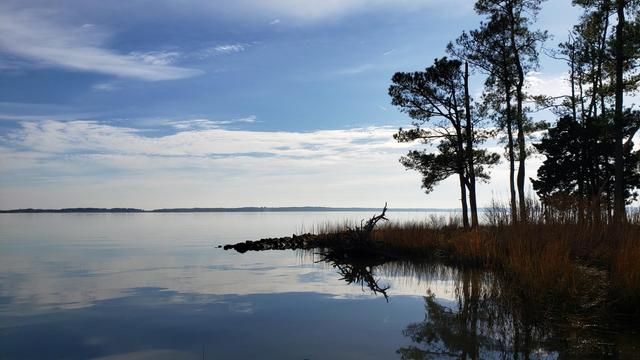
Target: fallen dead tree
x=362, y=233
x=358, y=237
x=351, y=251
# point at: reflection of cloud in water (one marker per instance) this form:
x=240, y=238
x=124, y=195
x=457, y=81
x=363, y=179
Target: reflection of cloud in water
x=265, y=326
x=315, y=276
x=37, y=293
x=256, y=273
x=241, y=307
x=54, y=261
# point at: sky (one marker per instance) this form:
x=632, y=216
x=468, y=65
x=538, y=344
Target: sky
x=198, y=103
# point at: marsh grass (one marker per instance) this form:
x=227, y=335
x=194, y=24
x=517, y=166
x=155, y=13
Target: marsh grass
x=545, y=259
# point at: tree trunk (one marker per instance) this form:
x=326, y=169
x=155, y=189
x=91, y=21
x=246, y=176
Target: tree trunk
x=597, y=206
x=471, y=176
x=609, y=212
x=512, y=187
x=460, y=160
x=512, y=170
x=583, y=112
x=574, y=111
x=522, y=155
x=572, y=78
x=620, y=211
x=602, y=55
x=520, y=120
x=463, y=200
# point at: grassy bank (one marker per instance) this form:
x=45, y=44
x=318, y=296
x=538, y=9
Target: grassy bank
x=555, y=260
x=593, y=265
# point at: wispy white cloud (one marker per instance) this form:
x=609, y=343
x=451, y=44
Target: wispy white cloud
x=201, y=163
x=229, y=48
x=43, y=117
x=218, y=50
x=389, y=52
x=161, y=58
x=555, y=85
x=327, y=9
x=32, y=35
x=355, y=70
x=44, y=157
x=204, y=124
x=197, y=137
x=31, y=111
x=106, y=86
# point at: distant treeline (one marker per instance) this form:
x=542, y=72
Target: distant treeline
x=193, y=210
x=74, y=210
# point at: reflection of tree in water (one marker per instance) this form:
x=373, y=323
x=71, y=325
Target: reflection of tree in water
x=472, y=331
x=480, y=327
x=488, y=322
x=357, y=269
x=487, y=319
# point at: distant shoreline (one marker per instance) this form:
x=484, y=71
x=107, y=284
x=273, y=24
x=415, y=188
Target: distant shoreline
x=217, y=210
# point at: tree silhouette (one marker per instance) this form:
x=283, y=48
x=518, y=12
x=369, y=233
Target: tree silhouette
x=602, y=54
x=626, y=54
x=440, y=96
x=506, y=49
x=580, y=166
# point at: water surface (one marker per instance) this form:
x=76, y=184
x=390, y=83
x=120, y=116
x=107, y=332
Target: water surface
x=155, y=286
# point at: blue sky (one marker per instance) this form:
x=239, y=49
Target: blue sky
x=223, y=103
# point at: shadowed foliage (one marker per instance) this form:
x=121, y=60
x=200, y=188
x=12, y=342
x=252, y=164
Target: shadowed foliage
x=579, y=169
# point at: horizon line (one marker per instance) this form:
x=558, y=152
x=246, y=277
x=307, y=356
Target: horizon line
x=220, y=209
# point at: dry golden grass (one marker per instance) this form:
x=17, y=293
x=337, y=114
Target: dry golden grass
x=625, y=270
x=543, y=259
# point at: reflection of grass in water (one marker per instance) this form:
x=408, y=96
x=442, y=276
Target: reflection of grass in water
x=490, y=319
x=546, y=259
x=494, y=315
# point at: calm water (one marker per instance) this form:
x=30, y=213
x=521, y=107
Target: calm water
x=155, y=286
